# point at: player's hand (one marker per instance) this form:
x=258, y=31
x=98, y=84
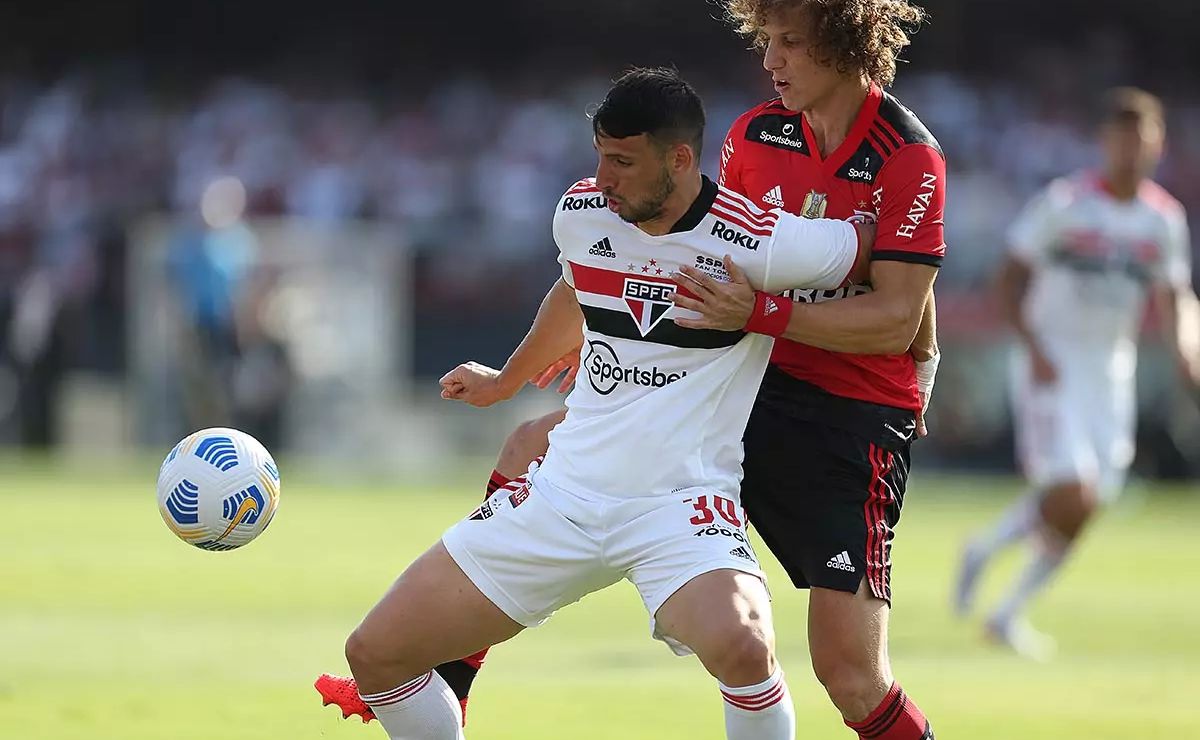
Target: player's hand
x=922, y=430
x=478, y=385
x=567, y=366
x=1044, y=372
x=722, y=306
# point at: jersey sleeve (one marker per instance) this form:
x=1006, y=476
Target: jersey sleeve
x=558, y=226
x=568, y=277
x=910, y=198
x=1034, y=231
x=806, y=253
x=730, y=175
x=1177, y=259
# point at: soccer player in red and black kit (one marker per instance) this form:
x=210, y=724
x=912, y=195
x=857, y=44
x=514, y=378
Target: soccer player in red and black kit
x=827, y=447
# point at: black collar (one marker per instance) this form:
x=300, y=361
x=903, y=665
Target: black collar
x=699, y=208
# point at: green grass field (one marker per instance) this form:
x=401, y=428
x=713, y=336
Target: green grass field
x=112, y=629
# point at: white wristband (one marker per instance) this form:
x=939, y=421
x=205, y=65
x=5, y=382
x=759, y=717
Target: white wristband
x=926, y=372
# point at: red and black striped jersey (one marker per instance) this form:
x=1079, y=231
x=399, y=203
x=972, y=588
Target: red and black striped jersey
x=889, y=170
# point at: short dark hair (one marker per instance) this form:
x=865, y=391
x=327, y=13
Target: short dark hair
x=1131, y=105
x=652, y=101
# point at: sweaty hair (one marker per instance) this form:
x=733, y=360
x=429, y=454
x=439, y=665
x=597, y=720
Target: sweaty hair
x=1131, y=105
x=854, y=35
x=657, y=102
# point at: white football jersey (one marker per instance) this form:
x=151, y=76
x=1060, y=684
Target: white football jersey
x=658, y=408
x=1093, y=258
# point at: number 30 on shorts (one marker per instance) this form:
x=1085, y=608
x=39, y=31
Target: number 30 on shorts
x=723, y=506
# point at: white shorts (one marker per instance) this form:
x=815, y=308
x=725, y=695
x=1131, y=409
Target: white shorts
x=533, y=548
x=1079, y=428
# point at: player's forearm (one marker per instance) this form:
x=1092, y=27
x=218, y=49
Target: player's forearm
x=870, y=324
x=557, y=329
x=1180, y=318
x=1011, y=288
x=925, y=346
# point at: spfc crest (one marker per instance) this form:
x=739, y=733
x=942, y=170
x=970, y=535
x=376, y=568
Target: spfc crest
x=814, y=205
x=647, y=302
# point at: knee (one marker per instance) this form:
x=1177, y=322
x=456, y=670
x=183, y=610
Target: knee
x=745, y=657
x=1067, y=509
x=855, y=689
x=526, y=442
x=361, y=653
x=366, y=655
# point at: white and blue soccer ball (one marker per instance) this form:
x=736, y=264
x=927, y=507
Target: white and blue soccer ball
x=218, y=489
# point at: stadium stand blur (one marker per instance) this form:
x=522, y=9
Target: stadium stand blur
x=463, y=131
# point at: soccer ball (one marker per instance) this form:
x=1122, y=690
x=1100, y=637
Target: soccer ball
x=218, y=489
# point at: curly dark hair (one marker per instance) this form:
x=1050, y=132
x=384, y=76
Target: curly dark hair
x=866, y=35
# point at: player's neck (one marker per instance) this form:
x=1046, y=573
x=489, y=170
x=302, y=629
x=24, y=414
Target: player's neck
x=1121, y=186
x=831, y=118
x=687, y=190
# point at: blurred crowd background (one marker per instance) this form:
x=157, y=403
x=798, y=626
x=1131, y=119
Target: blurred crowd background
x=157, y=161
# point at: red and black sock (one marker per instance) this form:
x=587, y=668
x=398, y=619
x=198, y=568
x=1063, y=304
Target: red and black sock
x=497, y=480
x=896, y=718
x=460, y=674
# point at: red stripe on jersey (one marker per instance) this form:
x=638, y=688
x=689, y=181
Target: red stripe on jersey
x=752, y=212
x=738, y=220
x=611, y=283
x=582, y=186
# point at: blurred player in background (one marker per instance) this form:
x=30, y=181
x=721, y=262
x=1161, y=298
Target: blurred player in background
x=827, y=447
x=641, y=480
x=1085, y=255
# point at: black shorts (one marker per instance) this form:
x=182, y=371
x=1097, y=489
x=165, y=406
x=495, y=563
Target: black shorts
x=824, y=483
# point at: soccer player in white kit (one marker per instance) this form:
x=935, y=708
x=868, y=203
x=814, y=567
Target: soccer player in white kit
x=1086, y=253
x=641, y=480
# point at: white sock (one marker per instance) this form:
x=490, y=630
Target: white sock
x=425, y=708
x=760, y=712
x=1018, y=521
x=1047, y=557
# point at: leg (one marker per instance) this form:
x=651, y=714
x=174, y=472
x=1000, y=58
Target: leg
x=1062, y=515
x=724, y=616
x=527, y=442
x=1058, y=425
x=1067, y=507
x=511, y=563
x=1018, y=522
x=433, y=611
x=827, y=500
x=848, y=640
x=692, y=563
